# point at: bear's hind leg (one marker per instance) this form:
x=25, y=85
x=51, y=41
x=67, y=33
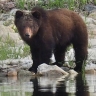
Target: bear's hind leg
x=80, y=56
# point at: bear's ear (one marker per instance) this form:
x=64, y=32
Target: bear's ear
x=18, y=14
x=36, y=14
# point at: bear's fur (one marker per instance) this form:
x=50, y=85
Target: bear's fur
x=52, y=31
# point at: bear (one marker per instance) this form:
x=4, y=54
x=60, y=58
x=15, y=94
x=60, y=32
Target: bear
x=50, y=32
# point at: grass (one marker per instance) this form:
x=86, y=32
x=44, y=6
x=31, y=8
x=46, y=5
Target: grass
x=20, y=4
x=8, y=50
x=70, y=4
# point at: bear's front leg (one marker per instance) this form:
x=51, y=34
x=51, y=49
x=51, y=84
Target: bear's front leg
x=40, y=56
x=35, y=58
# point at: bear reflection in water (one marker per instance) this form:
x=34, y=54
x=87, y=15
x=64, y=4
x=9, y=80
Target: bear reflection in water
x=44, y=86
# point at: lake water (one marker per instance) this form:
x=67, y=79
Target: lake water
x=48, y=86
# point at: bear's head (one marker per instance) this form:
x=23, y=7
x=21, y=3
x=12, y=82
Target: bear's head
x=28, y=23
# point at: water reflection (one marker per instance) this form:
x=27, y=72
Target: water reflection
x=14, y=86
x=48, y=86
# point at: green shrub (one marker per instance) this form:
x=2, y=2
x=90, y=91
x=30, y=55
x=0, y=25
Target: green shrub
x=8, y=50
x=70, y=4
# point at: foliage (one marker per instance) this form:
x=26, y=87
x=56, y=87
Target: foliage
x=20, y=3
x=70, y=4
x=23, y=4
x=8, y=50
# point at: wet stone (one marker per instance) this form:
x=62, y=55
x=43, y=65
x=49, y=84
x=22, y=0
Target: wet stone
x=53, y=70
x=12, y=73
x=91, y=71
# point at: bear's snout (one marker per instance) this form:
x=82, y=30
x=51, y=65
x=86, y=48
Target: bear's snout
x=27, y=35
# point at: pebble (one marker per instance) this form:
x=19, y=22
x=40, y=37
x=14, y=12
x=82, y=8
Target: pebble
x=12, y=73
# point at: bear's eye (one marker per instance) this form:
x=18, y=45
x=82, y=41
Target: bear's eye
x=18, y=14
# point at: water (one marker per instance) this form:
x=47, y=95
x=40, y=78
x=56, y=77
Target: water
x=48, y=86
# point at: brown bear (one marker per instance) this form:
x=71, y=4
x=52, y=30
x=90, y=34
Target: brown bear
x=52, y=31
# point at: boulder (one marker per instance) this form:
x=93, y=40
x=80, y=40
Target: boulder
x=50, y=70
x=12, y=73
x=53, y=70
x=7, y=33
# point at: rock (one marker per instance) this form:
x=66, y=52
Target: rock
x=25, y=66
x=92, y=43
x=90, y=66
x=12, y=73
x=4, y=17
x=50, y=70
x=92, y=53
x=4, y=0
x=89, y=8
x=23, y=63
x=9, y=22
x=9, y=34
x=93, y=15
x=72, y=72
x=13, y=11
x=6, y=6
x=91, y=26
x=9, y=5
x=91, y=71
x=87, y=20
